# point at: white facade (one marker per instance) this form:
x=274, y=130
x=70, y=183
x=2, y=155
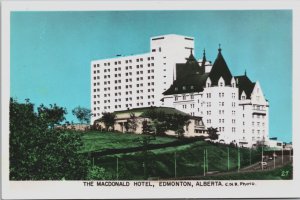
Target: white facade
x=125, y=82
x=254, y=117
x=239, y=119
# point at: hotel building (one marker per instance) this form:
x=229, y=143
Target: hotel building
x=135, y=81
x=234, y=105
x=169, y=75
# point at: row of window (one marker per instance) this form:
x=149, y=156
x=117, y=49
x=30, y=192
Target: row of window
x=96, y=90
x=221, y=84
x=191, y=106
x=126, y=61
x=184, y=97
x=258, y=131
x=126, y=74
x=258, y=107
x=258, y=123
x=119, y=93
x=184, y=87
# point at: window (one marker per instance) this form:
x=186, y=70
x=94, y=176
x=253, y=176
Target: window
x=183, y=97
x=192, y=96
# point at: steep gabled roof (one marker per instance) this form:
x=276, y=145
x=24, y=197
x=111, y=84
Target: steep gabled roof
x=220, y=69
x=193, y=83
x=244, y=84
x=184, y=70
x=190, y=77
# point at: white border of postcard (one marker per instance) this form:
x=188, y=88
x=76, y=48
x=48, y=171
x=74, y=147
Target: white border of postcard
x=76, y=189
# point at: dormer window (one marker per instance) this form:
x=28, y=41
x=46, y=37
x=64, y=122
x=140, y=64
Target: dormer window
x=221, y=82
x=208, y=82
x=243, y=97
x=183, y=87
x=192, y=87
x=176, y=88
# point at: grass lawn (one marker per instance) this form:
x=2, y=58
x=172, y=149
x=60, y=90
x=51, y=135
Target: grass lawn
x=161, y=162
x=97, y=141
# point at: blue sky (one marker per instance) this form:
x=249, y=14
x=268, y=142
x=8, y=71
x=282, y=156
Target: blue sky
x=51, y=51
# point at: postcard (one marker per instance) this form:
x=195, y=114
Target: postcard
x=149, y=99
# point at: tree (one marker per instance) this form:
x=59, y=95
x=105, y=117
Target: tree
x=145, y=141
x=108, y=119
x=162, y=121
x=37, y=151
x=132, y=122
x=177, y=123
x=212, y=133
x=147, y=127
x=51, y=116
x=82, y=114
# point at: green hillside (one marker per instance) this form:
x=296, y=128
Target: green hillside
x=160, y=163
x=97, y=141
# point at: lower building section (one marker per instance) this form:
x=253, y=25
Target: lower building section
x=155, y=121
